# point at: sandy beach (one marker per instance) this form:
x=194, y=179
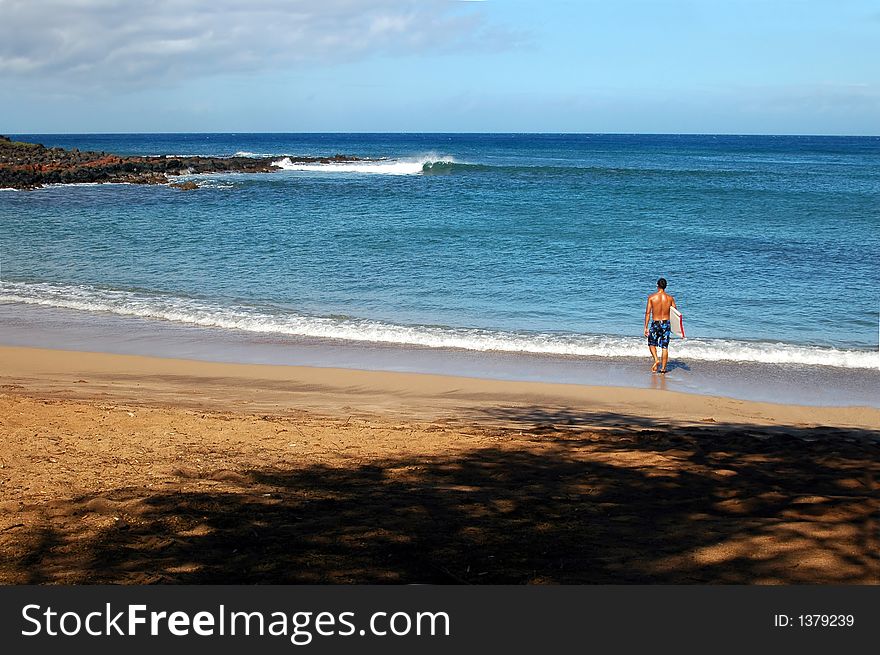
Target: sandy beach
x=123, y=469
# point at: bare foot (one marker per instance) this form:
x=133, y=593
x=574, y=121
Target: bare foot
x=654, y=367
x=662, y=370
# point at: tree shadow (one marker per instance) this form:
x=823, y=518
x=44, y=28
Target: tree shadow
x=581, y=498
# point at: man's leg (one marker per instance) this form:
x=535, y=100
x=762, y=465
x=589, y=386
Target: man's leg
x=665, y=358
x=653, y=350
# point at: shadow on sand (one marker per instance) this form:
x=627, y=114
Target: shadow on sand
x=579, y=498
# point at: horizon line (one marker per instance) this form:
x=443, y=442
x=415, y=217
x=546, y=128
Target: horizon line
x=524, y=133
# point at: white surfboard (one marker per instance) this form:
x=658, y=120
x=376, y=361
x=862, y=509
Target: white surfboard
x=676, y=322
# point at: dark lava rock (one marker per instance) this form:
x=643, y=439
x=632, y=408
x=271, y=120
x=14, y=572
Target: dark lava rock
x=31, y=165
x=189, y=185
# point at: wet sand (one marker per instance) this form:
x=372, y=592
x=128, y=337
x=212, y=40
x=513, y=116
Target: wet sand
x=146, y=470
x=44, y=327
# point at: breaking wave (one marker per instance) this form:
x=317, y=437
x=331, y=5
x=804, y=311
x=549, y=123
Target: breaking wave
x=266, y=319
x=434, y=164
x=408, y=166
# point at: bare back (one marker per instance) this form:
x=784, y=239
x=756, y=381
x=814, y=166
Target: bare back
x=659, y=303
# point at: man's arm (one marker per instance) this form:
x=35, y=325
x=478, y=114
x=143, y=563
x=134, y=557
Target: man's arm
x=647, y=315
x=673, y=300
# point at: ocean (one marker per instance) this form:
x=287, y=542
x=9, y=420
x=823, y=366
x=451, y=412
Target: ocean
x=511, y=255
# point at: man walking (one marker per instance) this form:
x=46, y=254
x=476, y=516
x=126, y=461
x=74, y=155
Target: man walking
x=657, y=314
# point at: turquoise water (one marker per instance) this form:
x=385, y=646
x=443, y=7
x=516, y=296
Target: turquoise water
x=543, y=244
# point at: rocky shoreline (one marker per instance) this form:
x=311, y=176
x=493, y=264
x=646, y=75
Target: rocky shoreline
x=32, y=165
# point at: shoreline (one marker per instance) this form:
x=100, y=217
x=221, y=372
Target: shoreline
x=134, y=378
x=27, y=166
x=25, y=325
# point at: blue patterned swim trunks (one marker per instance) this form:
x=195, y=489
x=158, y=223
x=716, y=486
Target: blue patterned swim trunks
x=658, y=334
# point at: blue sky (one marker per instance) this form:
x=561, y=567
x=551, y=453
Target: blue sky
x=735, y=66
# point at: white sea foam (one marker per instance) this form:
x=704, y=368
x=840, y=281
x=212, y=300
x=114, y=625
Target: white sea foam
x=408, y=166
x=207, y=180
x=268, y=320
x=67, y=185
x=56, y=185
x=177, y=155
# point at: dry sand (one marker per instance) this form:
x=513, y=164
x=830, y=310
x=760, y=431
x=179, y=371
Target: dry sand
x=139, y=470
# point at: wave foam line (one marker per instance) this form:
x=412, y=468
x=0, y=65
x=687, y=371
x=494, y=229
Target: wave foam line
x=265, y=320
x=412, y=166
x=432, y=165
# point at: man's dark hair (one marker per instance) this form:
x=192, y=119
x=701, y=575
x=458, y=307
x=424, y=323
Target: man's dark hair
x=661, y=283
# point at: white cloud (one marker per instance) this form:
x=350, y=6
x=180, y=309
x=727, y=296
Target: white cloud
x=121, y=43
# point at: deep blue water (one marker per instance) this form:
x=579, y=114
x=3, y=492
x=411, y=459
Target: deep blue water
x=538, y=243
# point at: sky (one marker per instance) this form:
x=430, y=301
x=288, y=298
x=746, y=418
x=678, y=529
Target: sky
x=618, y=66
